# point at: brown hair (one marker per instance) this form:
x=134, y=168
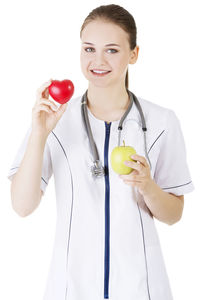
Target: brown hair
x=117, y=15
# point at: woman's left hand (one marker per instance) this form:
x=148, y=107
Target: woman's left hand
x=140, y=177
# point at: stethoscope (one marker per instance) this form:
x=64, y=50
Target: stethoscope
x=97, y=169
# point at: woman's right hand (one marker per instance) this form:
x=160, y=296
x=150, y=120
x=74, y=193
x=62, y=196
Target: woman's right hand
x=44, y=118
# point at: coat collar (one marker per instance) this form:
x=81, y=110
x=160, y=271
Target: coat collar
x=133, y=115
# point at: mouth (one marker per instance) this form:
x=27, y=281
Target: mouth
x=99, y=74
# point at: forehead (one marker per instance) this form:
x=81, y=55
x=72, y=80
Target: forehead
x=102, y=32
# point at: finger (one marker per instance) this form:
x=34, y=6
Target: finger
x=141, y=159
x=132, y=177
x=48, y=102
x=42, y=89
x=133, y=184
x=135, y=165
x=45, y=94
x=133, y=172
x=61, y=110
x=42, y=107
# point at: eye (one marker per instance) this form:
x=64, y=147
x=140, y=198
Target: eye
x=114, y=50
x=87, y=48
x=93, y=48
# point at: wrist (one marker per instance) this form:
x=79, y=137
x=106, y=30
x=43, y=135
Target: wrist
x=38, y=137
x=151, y=190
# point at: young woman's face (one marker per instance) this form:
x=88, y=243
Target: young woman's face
x=101, y=56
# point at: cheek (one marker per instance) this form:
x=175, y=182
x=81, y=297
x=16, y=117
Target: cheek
x=84, y=60
x=119, y=62
x=83, y=63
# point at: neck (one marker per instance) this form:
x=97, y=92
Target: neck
x=107, y=99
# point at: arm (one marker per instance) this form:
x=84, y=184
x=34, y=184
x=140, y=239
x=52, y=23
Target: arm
x=25, y=189
x=25, y=186
x=164, y=206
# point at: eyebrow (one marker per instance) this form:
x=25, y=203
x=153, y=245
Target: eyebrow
x=105, y=45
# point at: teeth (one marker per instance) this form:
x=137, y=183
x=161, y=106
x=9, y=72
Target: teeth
x=95, y=71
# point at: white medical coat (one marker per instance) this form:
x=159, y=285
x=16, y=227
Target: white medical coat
x=106, y=244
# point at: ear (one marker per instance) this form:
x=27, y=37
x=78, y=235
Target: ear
x=134, y=55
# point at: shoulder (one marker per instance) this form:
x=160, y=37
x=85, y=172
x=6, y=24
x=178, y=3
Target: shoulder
x=151, y=107
x=156, y=114
x=162, y=123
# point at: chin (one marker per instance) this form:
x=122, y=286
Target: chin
x=99, y=84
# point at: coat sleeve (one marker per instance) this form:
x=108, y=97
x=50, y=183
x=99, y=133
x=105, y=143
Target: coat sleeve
x=47, y=163
x=172, y=173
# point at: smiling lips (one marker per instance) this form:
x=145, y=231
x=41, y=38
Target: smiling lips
x=101, y=73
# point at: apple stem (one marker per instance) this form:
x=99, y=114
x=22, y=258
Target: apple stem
x=123, y=143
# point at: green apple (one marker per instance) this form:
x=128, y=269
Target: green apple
x=119, y=155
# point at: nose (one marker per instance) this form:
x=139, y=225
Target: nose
x=99, y=59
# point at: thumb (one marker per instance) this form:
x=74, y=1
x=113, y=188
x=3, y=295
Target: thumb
x=61, y=110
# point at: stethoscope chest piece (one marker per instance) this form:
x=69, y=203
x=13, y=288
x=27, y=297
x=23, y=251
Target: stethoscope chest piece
x=97, y=169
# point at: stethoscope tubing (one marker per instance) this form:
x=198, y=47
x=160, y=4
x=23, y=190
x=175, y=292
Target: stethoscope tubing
x=97, y=169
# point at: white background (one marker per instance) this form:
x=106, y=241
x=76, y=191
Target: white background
x=40, y=40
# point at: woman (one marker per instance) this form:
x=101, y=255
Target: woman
x=106, y=244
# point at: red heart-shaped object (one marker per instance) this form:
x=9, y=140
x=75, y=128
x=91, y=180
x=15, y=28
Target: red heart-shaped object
x=61, y=90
